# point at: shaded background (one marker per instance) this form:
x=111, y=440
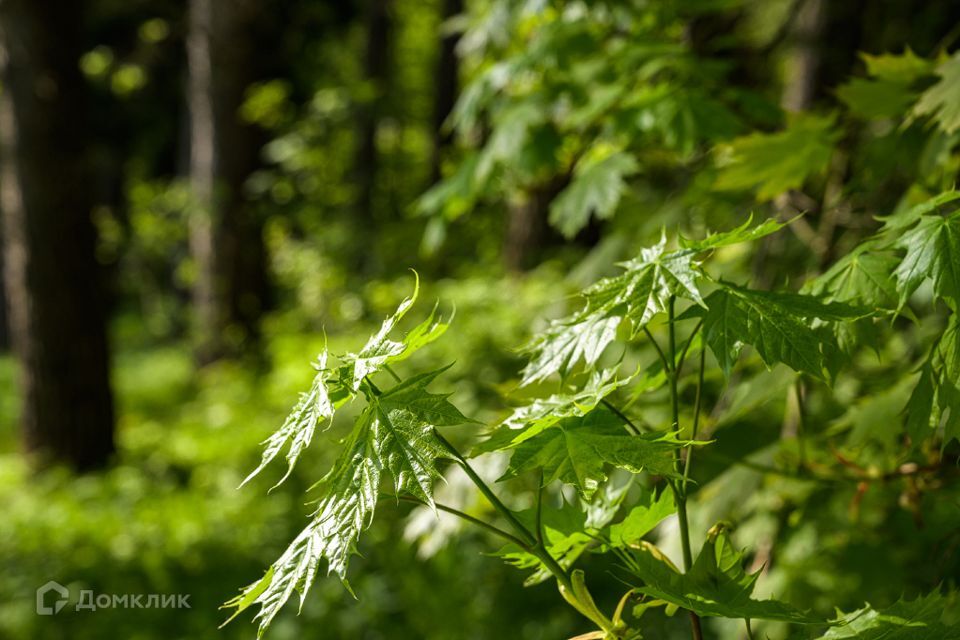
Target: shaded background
x=193, y=193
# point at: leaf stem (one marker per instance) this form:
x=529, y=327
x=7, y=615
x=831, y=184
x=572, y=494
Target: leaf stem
x=679, y=492
x=686, y=347
x=488, y=493
x=464, y=516
x=539, y=521
x=376, y=391
x=534, y=545
x=696, y=420
x=393, y=373
x=656, y=345
x=631, y=427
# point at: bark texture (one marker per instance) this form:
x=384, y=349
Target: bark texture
x=55, y=301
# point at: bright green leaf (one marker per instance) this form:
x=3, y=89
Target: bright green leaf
x=576, y=451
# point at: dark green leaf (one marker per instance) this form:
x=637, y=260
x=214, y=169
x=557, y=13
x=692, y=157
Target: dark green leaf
x=777, y=325
x=716, y=584
x=919, y=407
x=920, y=619
x=932, y=251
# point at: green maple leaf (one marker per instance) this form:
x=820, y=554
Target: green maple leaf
x=889, y=91
x=314, y=408
x=932, y=251
x=638, y=294
x=529, y=420
x=910, y=215
x=716, y=584
x=778, y=325
x=577, y=450
x=596, y=188
x=345, y=510
x=394, y=434
x=862, y=277
x=641, y=520
x=568, y=532
x=746, y=232
x=941, y=102
x=380, y=350
x=919, y=619
x=567, y=341
x=772, y=163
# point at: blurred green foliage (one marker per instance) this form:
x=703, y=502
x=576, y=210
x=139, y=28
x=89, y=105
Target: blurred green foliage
x=640, y=116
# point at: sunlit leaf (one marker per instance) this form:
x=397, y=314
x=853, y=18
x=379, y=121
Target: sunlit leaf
x=577, y=451
x=313, y=409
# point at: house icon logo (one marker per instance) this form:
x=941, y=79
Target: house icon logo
x=62, y=594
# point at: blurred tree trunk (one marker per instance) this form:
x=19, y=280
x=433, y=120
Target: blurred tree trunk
x=53, y=282
x=225, y=51
x=804, y=56
x=4, y=311
x=527, y=228
x=447, y=87
x=376, y=70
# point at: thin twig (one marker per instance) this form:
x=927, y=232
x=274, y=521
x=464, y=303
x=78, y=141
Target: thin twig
x=656, y=345
x=634, y=429
x=464, y=516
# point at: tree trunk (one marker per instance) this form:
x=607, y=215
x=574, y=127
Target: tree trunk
x=527, y=225
x=803, y=60
x=448, y=85
x=376, y=68
x=56, y=310
x=226, y=236
x=4, y=312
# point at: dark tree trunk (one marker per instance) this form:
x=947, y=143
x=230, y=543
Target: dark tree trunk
x=376, y=70
x=527, y=229
x=56, y=305
x=226, y=53
x=448, y=85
